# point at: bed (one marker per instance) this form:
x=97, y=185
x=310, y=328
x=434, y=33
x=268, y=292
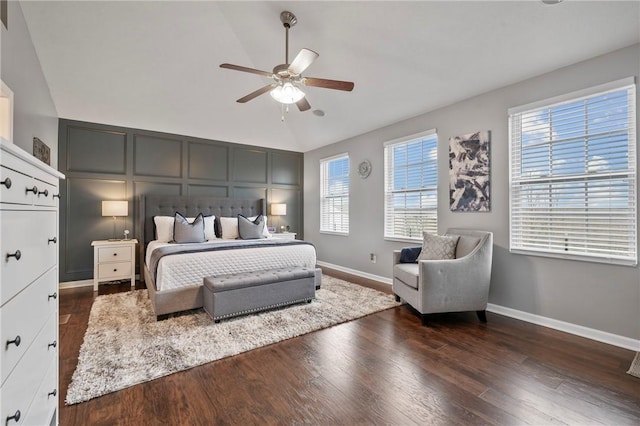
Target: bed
x=175, y=282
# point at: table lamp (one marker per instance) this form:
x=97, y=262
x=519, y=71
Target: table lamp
x=115, y=209
x=278, y=210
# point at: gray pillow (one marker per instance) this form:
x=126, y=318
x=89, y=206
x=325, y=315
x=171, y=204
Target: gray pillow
x=185, y=232
x=251, y=229
x=435, y=247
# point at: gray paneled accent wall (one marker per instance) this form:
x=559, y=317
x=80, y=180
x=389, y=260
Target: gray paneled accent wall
x=104, y=162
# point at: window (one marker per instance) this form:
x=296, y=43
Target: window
x=573, y=175
x=334, y=195
x=411, y=186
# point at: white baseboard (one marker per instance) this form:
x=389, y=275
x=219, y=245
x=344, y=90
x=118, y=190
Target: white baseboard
x=80, y=283
x=355, y=272
x=567, y=327
x=74, y=284
x=578, y=330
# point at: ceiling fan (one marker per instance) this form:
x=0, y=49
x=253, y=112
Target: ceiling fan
x=287, y=77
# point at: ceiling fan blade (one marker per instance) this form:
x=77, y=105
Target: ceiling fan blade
x=303, y=104
x=245, y=69
x=257, y=93
x=302, y=61
x=347, y=86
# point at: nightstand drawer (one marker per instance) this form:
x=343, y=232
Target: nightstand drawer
x=114, y=254
x=114, y=270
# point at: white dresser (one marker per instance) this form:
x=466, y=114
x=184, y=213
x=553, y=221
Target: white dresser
x=29, y=198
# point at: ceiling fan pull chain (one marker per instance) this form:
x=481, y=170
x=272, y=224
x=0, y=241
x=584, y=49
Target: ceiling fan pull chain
x=282, y=112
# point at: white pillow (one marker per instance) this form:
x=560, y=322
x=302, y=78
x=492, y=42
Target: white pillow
x=164, y=227
x=229, y=227
x=209, y=227
x=265, y=230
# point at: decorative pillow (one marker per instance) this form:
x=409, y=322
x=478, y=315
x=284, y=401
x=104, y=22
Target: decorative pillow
x=209, y=227
x=186, y=232
x=265, y=230
x=251, y=229
x=435, y=247
x=410, y=254
x=229, y=226
x=164, y=228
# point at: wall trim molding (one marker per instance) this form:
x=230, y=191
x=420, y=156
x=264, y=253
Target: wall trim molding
x=356, y=272
x=80, y=283
x=567, y=327
x=575, y=329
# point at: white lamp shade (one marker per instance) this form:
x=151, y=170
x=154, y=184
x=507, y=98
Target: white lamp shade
x=278, y=209
x=115, y=208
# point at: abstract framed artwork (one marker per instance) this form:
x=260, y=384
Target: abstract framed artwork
x=469, y=178
x=41, y=151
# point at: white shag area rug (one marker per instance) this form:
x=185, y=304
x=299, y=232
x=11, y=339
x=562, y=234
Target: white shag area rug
x=634, y=368
x=124, y=345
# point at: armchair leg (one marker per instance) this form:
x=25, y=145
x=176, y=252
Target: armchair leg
x=425, y=319
x=482, y=316
x=397, y=298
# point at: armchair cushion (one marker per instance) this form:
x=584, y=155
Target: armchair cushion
x=408, y=273
x=436, y=247
x=466, y=244
x=410, y=254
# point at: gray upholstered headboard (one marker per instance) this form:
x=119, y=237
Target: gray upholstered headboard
x=167, y=205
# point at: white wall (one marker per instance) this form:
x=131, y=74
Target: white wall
x=34, y=114
x=598, y=296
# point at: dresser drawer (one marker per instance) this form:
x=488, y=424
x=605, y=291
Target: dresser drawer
x=27, y=235
x=46, y=400
x=114, y=270
x=20, y=388
x=114, y=254
x=45, y=194
x=17, y=191
x=24, y=316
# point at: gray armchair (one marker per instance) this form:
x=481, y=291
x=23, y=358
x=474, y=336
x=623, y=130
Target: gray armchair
x=453, y=285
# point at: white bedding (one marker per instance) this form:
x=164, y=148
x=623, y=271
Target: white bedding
x=182, y=270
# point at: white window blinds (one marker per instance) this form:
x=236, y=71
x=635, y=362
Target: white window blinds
x=411, y=186
x=334, y=194
x=573, y=175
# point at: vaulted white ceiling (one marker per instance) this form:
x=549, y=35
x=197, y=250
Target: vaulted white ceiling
x=155, y=65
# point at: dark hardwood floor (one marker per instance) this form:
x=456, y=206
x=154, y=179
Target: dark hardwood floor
x=382, y=369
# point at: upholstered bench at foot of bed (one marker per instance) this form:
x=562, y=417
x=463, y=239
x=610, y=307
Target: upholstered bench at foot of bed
x=230, y=295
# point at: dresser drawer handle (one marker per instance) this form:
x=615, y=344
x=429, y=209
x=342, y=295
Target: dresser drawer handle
x=34, y=189
x=15, y=417
x=115, y=254
x=17, y=255
x=52, y=393
x=53, y=296
x=52, y=240
x=115, y=269
x=45, y=192
x=6, y=182
x=54, y=344
x=15, y=341
x=56, y=196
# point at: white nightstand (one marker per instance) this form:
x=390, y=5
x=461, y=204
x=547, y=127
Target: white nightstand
x=114, y=260
x=284, y=235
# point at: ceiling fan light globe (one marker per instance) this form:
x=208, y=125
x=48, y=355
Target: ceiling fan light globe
x=287, y=93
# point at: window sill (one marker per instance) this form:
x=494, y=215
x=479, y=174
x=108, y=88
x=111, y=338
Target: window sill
x=574, y=257
x=341, y=234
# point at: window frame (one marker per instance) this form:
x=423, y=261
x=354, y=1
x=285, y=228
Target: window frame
x=388, y=146
x=588, y=176
x=323, y=187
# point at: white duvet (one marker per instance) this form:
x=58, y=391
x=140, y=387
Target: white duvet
x=183, y=270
